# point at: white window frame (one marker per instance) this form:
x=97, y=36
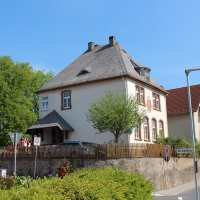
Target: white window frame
x=66, y=98
x=154, y=129
x=137, y=93
x=156, y=101
x=146, y=128
x=140, y=95
x=161, y=127
x=138, y=133
x=45, y=103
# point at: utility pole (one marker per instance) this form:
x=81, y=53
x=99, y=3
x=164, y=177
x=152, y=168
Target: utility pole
x=187, y=72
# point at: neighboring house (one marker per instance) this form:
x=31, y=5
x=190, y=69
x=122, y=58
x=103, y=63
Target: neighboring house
x=64, y=101
x=178, y=112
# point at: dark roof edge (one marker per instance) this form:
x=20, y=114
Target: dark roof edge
x=185, y=87
x=100, y=80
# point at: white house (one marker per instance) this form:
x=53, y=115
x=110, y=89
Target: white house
x=64, y=101
x=178, y=112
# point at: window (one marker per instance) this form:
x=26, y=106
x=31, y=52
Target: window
x=161, y=128
x=156, y=101
x=199, y=115
x=154, y=129
x=140, y=95
x=138, y=133
x=146, y=128
x=137, y=94
x=66, y=100
x=145, y=72
x=45, y=103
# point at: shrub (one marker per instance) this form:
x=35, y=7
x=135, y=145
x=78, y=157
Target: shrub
x=64, y=169
x=22, y=181
x=6, y=183
x=94, y=184
x=178, y=142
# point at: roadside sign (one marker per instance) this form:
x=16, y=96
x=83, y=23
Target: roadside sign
x=15, y=137
x=184, y=150
x=166, y=150
x=36, y=141
x=18, y=137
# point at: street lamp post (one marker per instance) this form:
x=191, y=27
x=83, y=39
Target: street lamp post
x=187, y=71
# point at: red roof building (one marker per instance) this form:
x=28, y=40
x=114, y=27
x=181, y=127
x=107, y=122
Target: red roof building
x=178, y=111
x=177, y=100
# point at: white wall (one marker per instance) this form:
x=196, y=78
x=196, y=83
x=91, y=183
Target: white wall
x=81, y=96
x=180, y=126
x=196, y=125
x=158, y=115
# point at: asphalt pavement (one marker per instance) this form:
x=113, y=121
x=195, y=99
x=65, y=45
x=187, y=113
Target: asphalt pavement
x=182, y=192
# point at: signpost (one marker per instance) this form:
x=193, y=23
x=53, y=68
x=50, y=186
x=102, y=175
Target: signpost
x=15, y=137
x=184, y=150
x=36, y=143
x=166, y=150
x=166, y=158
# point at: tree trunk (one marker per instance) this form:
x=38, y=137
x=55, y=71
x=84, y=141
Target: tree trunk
x=116, y=138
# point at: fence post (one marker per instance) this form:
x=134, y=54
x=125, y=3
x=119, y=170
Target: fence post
x=128, y=150
x=106, y=150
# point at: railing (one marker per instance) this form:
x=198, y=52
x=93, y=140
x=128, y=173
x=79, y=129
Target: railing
x=108, y=151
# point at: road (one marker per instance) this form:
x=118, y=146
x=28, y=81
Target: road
x=188, y=195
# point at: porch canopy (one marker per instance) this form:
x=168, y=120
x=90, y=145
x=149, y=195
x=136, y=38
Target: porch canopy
x=53, y=119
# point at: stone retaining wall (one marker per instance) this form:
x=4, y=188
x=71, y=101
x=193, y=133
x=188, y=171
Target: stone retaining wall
x=164, y=175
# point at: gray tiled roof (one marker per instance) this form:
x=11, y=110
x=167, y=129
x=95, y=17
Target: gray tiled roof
x=51, y=120
x=103, y=62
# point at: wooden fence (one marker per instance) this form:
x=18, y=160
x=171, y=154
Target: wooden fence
x=108, y=151
x=137, y=150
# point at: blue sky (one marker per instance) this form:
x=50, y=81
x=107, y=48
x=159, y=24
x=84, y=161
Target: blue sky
x=164, y=35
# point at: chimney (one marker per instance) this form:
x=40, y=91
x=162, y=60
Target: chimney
x=90, y=46
x=112, y=40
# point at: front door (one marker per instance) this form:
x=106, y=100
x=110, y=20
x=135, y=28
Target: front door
x=57, y=135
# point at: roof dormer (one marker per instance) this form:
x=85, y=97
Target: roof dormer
x=144, y=72
x=83, y=72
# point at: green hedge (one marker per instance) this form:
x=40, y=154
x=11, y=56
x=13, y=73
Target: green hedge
x=105, y=184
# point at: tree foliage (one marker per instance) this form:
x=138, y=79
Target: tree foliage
x=178, y=142
x=115, y=113
x=18, y=101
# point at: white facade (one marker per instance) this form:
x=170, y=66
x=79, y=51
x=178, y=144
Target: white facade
x=150, y=112
x=83, y=95
x=180, y=125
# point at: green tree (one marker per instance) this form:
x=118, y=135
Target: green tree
x=115, y=113
x=18, y=101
